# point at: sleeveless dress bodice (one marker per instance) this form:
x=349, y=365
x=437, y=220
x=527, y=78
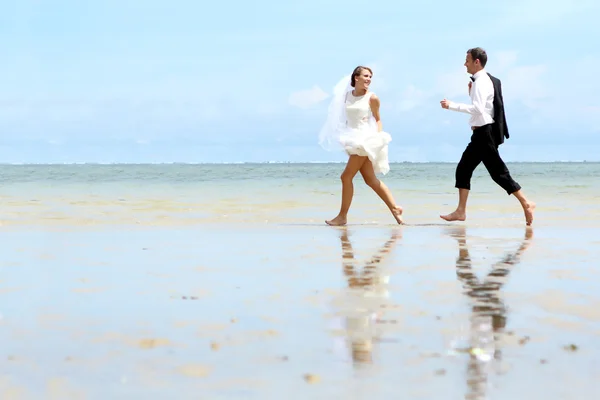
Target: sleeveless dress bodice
x=358, y=110
x=360, y=135
x=350, y=126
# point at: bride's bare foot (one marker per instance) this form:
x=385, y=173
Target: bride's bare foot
x=397, y=213
x=528, y=209
x=337, y=221
x=455, y=216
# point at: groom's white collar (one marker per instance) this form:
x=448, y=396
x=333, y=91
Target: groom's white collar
x=479, y=73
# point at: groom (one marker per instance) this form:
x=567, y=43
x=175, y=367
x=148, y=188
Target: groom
x=488, y=124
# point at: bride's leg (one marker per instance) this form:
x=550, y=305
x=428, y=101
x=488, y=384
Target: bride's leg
x=352, y=167
x=368, y=174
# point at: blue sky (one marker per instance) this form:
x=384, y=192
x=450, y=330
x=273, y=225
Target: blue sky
x=189, y=81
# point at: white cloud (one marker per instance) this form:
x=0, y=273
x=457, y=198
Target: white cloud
x=526, y=84
x=307, y=98
x=531, y=12
x=523, y=83
x=452, y=84
x=412, y=98
x=503, y=60
x=267, y=108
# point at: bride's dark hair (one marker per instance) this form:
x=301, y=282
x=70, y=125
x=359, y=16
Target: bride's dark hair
x=357, y=72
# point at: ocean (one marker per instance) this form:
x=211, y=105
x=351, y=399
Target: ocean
x=282, y=193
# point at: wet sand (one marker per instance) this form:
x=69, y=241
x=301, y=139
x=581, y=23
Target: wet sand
x=299, y=310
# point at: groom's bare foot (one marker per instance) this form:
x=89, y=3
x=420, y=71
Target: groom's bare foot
x=337, y=221
x=397, y=213
x=455, y=216
x=528, y=210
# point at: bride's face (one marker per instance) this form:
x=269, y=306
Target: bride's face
x=363, y=80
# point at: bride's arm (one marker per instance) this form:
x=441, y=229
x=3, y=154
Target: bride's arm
x=375, y=103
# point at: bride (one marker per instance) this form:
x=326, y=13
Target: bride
x=354, y=125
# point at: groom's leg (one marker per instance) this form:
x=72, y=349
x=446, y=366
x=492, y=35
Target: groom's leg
x=501, y=175
x=498, y=170
x=469, y=160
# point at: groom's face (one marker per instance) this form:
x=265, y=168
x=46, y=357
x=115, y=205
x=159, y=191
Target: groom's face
x=470, y=64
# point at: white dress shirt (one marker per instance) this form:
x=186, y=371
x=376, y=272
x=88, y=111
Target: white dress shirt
x=482, y=98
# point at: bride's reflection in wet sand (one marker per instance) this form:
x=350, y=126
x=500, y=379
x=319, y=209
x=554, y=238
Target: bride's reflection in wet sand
x=363, y=301
x=488, y=311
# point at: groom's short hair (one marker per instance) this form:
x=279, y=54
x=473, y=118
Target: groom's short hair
x=477, y=53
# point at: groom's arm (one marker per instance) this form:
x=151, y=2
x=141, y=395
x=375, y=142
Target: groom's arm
x=477, y=98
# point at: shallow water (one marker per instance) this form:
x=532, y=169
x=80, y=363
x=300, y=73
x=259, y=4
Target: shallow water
x=247, y=311
x=223, y=282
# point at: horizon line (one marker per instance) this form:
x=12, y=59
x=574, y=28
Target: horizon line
x=83, y=163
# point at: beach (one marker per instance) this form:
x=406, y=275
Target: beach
x=223, y=282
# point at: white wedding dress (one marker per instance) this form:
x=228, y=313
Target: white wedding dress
x=361, y=136
x=350, y=125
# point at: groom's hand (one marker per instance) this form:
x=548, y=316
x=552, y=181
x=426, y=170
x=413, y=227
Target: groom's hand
x=445, y=103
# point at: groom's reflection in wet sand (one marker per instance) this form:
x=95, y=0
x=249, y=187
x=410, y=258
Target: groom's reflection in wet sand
x=486, y=307
x=365, y=296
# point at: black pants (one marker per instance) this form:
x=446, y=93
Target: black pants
x=483, y=149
